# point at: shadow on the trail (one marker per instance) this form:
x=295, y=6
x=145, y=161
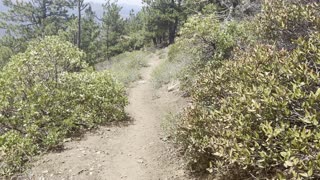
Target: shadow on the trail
x=127, y=121
x=80, y=134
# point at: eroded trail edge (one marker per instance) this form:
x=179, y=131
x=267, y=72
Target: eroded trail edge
x=135, y=151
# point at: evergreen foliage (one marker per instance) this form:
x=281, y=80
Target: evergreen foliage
x=113, y=25
x=30, y=19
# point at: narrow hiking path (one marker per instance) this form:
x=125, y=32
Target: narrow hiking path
x=135, y=151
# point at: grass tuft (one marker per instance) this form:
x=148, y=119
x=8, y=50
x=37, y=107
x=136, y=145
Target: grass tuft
x=126, y=67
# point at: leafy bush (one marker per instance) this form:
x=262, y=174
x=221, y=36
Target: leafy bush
x=210, y=38
x=285, y=21
x=258, y=116
x=47, y=94
x=255, y=113
x=5, y=54
x=204, y=39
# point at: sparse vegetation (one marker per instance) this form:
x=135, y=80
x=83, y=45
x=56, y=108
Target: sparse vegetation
x=172, y=66
x=126, y=67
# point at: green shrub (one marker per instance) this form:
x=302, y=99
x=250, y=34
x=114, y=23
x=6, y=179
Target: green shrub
x=204, y=39
x=47, y=94
x=15, y=150
x=210, y=38
x=257, y=116
x=285, y=21
x=5, y=54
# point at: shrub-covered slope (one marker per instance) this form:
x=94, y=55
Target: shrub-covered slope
x=259, y=114
x=48, y=93
x=255, y=111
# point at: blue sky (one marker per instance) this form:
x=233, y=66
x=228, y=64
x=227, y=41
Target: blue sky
x=129, y=2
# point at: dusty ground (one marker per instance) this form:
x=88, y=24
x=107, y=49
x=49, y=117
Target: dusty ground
x=134, y=152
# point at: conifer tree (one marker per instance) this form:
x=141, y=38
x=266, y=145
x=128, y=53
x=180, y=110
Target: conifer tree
x=89, y=36
x=30, y=19
x=163, y=19
x=112, y=27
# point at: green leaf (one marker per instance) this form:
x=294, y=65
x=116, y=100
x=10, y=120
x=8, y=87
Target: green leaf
x=288, y=164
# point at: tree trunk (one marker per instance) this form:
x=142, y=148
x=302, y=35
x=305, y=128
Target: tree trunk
x=154, y=41
x=79, y=24
x=174, y=26
x=172, y=33
x=108, y=53
x=43, y=16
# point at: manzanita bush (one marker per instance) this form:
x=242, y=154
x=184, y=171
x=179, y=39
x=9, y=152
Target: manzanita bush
x=285, y=21
x=256, y=115
x=5, y=54
x=47, y=94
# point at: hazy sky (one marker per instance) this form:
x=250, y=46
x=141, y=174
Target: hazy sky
x=130, y=2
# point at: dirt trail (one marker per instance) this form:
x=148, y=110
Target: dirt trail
x=132, y=152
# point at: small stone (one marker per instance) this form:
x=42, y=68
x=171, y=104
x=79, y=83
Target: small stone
x=67, y=140
x=45, y=172
x=142, y=82
x=173, y=87
x=81, y=171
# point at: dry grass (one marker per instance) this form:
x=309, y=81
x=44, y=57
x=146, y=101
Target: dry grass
x=126, y=67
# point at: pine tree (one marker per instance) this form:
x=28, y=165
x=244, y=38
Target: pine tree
x=89, y=36
x=163, y=19
x=30, y=19
x=112, y=27
x=80, y=6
